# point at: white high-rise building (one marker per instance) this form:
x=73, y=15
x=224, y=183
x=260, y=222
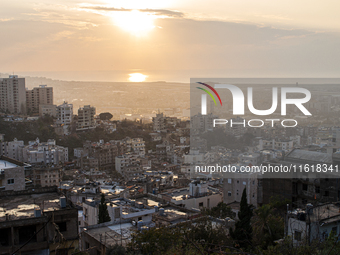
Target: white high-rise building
x=12, y=149
x=64, y=114
x=13, y=95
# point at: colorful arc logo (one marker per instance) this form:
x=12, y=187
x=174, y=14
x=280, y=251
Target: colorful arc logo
x=209, y=93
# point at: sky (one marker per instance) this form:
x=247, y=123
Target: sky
x=171, y=40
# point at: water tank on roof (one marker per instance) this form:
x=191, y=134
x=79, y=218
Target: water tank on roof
x=309, y=209
x=140, y=224
x=37, y=212
x=156, y=208
x=63, y=202
x=161, y=211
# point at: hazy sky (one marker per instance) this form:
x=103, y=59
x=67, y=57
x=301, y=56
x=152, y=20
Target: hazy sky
x=170, y=40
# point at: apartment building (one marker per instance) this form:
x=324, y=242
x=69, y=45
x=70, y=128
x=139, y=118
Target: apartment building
x=12, y=174
x=45, y=153
x=26, y=214
x=41, y=95
x=276, y=144
x=86, y=118
x=12, y=149
x=13, y=95
x=45, y=176
x=64, y=114
x=135, y=145
x=47, y=109
x=158, y=122
x=233, y=187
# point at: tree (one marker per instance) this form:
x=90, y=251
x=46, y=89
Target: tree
x=243, y=230
x=221, y=211
x=103, y=212
x=267, y=226
x=105, y=116
x=200, y=236
x=116, y=250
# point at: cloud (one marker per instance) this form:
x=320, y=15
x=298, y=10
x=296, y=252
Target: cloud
x=158, y=12
x=4, y=20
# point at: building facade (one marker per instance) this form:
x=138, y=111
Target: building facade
x=64, y=114
x=86, y=117
x=13, y=95
x=41, y=95
x=12, y=174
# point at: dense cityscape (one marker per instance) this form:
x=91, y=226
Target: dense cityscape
x=79, y=182
x=148, y=127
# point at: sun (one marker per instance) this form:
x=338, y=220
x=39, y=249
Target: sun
x=137, y=77
x=135, y=22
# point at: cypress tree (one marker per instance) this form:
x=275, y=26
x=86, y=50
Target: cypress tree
x=243, y=230
x=103, y=212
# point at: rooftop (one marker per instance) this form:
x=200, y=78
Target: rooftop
x=309, y=156
x=111, y=235
x=4, y=164
x=22, y=206
x=325, y=213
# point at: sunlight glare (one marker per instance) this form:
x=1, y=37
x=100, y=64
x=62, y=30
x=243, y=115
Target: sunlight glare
x=134, y=21
x=137, y=77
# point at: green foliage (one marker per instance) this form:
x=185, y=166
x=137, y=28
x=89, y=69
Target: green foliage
x=105, y=116
x=201, y=237
x=279, y=204
x=103, y=212
x=29, y=131
x=267, y=226
x=330, y=246
x=220, y=211
x=242, y=233
x=116, y=250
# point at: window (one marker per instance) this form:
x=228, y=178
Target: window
x=244, y=183
x=10, y=181
x=229, y=194
x=200, y=204
x=304, y=187
x=229, y=181
x=297, y=235
x=62, y=252
x=62, y=226
x=326, y=193
x=335, y=230
x=238, y=182
x=317, y=189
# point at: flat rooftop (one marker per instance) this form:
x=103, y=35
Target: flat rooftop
x=4, y=164
x=22, y=207
x=113, y=234
x=127, y=207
